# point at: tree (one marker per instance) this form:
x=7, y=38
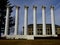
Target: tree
x=3, y=4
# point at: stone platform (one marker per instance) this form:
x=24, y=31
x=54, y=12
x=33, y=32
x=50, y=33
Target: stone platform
x=28, y=37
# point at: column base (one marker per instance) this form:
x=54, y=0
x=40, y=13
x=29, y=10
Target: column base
x=30, y=37
x=55, y=35
x=20, y=36
x=4, y=35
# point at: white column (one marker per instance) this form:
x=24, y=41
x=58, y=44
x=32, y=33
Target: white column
x=44, y=20
x=25, y=20
x=34, y=20
x=52, y=20
x=16, y=20
x=7, y=21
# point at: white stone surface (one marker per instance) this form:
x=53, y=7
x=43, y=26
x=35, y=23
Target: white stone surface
x=44, y=19
x=7, y=21
x=16, y=37
x=34, y=20
x=16, y=20
x=45, y=36
x=52, y=20
x=25, y=20
x=30, y=37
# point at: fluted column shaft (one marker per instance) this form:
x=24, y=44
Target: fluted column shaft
x=52, y=20
x=7, y=21
x=16, y=20
x=44, y=20
x=25, y=20
x=34, y=20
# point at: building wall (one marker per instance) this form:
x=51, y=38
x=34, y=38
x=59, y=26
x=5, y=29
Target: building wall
x=40, y=30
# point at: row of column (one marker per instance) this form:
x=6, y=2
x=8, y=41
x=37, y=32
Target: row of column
x=16, y=20
x=34, y=20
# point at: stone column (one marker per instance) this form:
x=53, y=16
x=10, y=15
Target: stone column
x=25, y=20
x=44, y=20
x=7, y=21
x=52, y=20
x=34, y=20
x=16, y=20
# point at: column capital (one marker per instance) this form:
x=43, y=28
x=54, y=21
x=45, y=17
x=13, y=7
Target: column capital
x=52, y=6
x=17, y=6
x=8, y=6
x=44, y=7
x=34, y=6
x=26, y=6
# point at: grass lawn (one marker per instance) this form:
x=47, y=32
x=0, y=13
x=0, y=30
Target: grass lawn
x=31, y=42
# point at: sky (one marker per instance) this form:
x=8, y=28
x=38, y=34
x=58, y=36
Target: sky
x=38, y=3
